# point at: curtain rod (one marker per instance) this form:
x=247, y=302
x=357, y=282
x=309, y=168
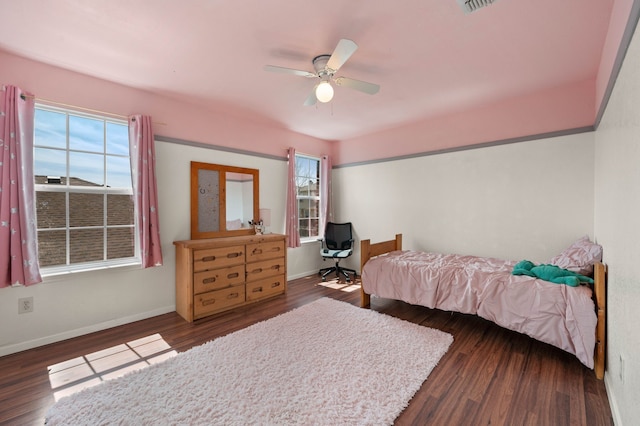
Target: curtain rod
x=97, y=111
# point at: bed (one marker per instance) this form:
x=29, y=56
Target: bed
x=571, y=318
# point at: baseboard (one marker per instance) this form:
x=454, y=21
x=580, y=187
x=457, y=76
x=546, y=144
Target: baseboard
x=23, y=346
x=615, y=413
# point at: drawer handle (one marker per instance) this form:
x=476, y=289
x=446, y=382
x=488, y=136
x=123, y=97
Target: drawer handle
x=208, y=258
x=233, y=296
x=276, y=267
x=256, y=251
x=206, y=302
x=276, y=284
x=275, y=249
x=234, y=275
x=257, y=290
x=209, y=280
x=256, y=271
x=232, y=255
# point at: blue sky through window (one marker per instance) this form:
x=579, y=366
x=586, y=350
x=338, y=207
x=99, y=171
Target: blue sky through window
x=88, y=154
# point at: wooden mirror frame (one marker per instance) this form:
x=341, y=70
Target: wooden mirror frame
x=222, y=172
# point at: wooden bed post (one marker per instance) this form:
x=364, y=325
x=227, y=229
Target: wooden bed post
x=367, y=251
x=365, y=245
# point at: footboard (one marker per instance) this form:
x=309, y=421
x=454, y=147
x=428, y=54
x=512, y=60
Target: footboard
x=367, y=251
x=600, y=298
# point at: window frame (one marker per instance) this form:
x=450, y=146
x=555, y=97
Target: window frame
x=310, y=238
x=104, y=190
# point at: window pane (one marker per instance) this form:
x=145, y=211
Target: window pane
x=119, y=210
x=314, y=224
x=120, y=243
x=50, y=129
x=314, y=209
x=50, y=162
x=304, y=228
x=86, y=210
x=51, y=209
x=117, y=139
x=314, y=188
x=303, y=208
x=303, y=166
x=86, y=134
x=52, y=248
x=86, y=169
x=118, y=172
x=314, y=169
x=86, y=245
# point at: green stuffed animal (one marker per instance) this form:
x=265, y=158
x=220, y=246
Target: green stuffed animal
x=551, y=273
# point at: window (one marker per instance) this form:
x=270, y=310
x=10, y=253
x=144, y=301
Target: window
x=84, y=203
x=308, y=190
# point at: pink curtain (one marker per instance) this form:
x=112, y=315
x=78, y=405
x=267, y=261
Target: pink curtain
x=18, y=232
x=325, y=192
x=143, y=174
x=291, y=226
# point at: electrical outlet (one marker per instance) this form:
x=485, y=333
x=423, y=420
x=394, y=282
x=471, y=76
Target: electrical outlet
x=25, y=305
x=621, y=369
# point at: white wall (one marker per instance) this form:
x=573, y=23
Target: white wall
x=617, y=227
x=72, y=305
x=525, y=200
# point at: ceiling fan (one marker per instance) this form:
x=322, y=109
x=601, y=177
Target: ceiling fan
x=325, y=67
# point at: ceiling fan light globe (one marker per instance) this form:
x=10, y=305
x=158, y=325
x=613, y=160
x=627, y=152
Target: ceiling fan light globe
x=324, y=92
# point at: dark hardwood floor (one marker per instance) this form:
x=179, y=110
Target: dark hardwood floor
x=489, y=375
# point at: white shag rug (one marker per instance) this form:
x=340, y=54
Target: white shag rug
x=325, y=363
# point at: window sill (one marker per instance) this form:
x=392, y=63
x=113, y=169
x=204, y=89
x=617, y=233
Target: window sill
x=311, y=240
x=52, y=274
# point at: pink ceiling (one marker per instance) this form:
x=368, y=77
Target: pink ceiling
x=430, y=58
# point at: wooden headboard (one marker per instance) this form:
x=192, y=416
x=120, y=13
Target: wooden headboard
x=367, y=251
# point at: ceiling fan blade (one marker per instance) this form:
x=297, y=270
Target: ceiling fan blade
x=341, y=53
x=361, y=86
x=311, y=99
x=272, y=68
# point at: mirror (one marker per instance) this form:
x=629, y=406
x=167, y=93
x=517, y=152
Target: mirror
x=223, y=200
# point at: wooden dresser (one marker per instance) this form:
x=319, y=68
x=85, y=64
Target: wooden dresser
x=216, y=274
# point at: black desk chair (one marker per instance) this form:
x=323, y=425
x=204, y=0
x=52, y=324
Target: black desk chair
x=337, y=244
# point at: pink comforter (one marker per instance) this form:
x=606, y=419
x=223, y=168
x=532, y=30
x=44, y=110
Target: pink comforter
x=557, y=314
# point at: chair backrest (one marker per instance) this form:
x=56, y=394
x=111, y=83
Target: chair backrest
x=338, y=236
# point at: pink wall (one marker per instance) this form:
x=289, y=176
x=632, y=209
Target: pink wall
x=181, y=120
x=559, y=109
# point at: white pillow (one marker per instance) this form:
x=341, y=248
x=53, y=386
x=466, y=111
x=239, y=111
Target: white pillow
x=234, y=224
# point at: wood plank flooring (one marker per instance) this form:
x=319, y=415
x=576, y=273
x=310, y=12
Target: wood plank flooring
x=489, y=375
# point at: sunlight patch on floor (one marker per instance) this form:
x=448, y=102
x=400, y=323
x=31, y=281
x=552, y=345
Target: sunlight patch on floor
x=75, y=374
x=335, y=285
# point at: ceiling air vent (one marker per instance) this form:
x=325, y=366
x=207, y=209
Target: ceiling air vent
x=472, y=5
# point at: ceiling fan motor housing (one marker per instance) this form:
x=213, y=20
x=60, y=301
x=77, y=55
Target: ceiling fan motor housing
x=320, y=65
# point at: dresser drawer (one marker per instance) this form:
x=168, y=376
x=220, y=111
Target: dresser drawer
x=262, y=251
x=265, y=288
x=213, y=301
x=217, y=258
x=217, y=278
x=267, y=268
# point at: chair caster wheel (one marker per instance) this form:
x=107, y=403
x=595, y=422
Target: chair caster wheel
x=324, y=279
